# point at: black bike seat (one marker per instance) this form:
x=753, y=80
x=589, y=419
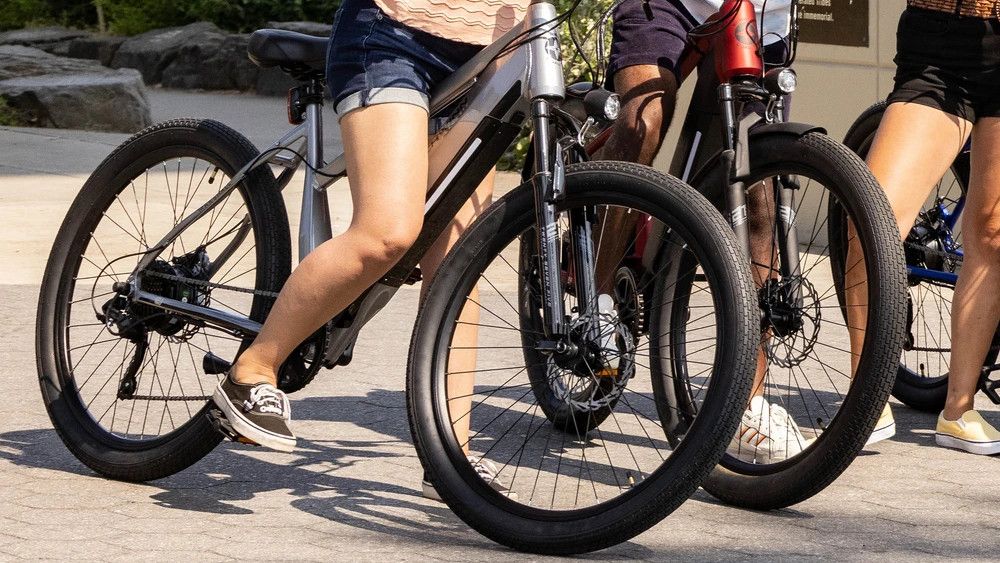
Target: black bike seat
x=277, y=47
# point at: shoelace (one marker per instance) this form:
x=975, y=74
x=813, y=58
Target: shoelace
x=780, y=418
x=268, y=400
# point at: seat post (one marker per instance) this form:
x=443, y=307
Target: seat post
x=315, y=226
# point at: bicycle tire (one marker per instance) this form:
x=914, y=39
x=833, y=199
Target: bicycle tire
x=922, y=392
x=781, y=484
x=587, y=529
x=103, y=451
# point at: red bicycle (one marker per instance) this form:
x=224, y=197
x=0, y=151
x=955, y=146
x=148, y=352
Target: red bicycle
x=791, y=194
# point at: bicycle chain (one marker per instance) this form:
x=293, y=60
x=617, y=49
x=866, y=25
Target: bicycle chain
x=166, y=398
x=213, y=285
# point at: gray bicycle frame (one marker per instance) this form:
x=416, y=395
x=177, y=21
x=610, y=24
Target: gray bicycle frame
x=489, y=96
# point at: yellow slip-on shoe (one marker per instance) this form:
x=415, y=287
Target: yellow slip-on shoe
x=885, y=428
x=970, y=433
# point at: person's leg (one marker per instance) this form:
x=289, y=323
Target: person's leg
x=649, y=97
x=388, y=178
x=912, y=150
x=976, y=306
x=462, y=359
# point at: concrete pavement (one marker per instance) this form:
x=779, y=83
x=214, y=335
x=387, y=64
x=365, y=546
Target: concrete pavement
x=351, y=491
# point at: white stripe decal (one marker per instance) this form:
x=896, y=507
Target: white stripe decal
x=694, y=151
x=451, y=175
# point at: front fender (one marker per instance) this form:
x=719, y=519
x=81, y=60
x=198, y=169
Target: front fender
x=708, y=179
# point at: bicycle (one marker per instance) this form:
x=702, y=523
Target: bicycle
x=933, y=250
x=736, y=148
x=169, y=258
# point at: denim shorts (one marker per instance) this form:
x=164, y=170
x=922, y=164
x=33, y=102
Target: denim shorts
x=948, y=62
x=374, y=59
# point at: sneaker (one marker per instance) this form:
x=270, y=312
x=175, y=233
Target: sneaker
x=486, y=471
x=885, y=428
x=429, y=491
x=786, y=436
x=970, y=433
x=257, y=412
x=767, y=434
x=749, y=437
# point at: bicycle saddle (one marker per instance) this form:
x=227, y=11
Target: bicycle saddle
x=287, y=49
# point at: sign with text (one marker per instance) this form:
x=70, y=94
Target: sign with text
x=834, y=22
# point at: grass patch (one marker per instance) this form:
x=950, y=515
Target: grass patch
x=9, y=116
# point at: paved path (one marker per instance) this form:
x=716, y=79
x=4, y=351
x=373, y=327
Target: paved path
x=352, y=490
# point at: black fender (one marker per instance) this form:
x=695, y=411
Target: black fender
x=708, y=178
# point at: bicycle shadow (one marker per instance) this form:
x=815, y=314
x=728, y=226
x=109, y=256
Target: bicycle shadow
x=318, y=476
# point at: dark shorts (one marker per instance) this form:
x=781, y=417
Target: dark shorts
x=662, y=41
x=948, y=62
x=374, y=59
x=637, y=40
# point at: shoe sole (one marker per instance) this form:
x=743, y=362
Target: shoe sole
x=242, y=426
x=430, y=492
x=880, y=434
x=979, y=448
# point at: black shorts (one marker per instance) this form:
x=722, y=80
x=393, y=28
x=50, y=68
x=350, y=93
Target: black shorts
x=948, y=62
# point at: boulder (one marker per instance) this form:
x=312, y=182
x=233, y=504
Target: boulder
x=95, y=47
x=152, y=52
x=309, y=28
x=45, y=38
x=53, y=91
x=212, y=62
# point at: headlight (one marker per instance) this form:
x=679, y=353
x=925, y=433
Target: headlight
x=612, y=106
x=781, y=81
x=602, y=105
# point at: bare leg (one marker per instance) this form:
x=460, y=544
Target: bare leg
x=976, y=308
x=649, y=95
x=913, y=148
x=462, y=359
x=388, y=176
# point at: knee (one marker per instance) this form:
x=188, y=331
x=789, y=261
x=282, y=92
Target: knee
x=383, y=245
x=984, y=244
x=646, y=117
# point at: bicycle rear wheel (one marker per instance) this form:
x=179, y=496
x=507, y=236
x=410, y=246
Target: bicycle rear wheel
x=581, y=490
x=126, y=384
x=805, y=354
x=933, y=257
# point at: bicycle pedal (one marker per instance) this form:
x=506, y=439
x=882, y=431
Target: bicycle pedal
x=222, y=426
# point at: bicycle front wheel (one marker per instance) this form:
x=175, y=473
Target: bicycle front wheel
x=823, y=396
x=477, y=424
x=126, y=384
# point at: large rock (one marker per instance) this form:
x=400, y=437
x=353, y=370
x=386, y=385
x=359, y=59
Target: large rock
x=95, y=47
x=51, y=39
x=152, y=52
x=67, y=93
x=212, y=62
x=309, y=28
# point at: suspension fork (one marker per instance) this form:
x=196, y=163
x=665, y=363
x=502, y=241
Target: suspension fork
x=736, y=163
x=549, y=182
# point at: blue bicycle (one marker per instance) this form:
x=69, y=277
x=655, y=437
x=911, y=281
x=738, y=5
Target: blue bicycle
x=934, y=256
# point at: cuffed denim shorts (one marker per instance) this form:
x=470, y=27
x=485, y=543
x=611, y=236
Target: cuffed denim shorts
x=374, y=59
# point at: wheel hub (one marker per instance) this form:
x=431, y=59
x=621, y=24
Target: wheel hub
x=790, y=317
x=166, y=279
